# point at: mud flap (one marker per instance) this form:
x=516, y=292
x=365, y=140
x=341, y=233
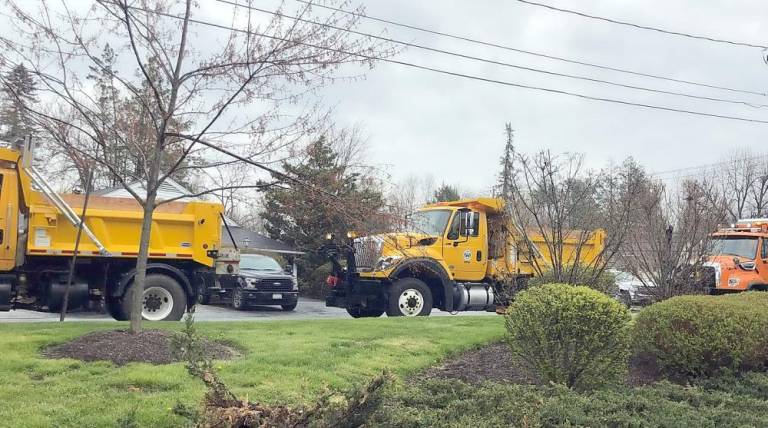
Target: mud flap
x=5, y=296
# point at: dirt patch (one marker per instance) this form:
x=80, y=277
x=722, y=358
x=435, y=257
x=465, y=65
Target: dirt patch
x=122, y=347
x=494, y=363
x=490, y=363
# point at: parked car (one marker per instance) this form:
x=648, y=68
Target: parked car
x=262, y=281
x=632, y=291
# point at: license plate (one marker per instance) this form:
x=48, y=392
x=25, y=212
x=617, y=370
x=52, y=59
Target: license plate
x=277, y=296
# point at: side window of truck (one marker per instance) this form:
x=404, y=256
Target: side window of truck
x=475, y=223
x=764, y=249
x=453, y=229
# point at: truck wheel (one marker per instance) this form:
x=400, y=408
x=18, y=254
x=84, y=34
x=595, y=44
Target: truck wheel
x=409, y=297
x=163, y=299
x=203, y=297
x=290, y=307
x=114, y=306
x=361, y=312
x=237, y=299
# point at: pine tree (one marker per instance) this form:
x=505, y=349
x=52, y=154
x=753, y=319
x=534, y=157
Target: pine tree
x=445, y=193
x=507, y=175
x=298, y=215
x=19, y=92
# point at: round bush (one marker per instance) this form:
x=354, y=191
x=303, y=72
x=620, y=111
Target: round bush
x=693, y=336
x=572, y=335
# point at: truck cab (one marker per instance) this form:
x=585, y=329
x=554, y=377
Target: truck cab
x=739, y=257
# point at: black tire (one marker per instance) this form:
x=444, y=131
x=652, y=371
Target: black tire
x=237, y=299
x=416, y=298
x=361, y=312
x=288, y=308
x=203, y=297
x=169, y=291
x=114, y=307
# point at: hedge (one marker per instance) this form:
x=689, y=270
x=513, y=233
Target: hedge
x=572, y=335
x=692, y=336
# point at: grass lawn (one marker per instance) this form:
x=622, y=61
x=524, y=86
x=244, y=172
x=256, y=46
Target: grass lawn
x=283, y=361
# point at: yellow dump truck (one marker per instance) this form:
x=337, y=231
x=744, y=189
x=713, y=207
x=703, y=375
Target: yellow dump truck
x=456, y=256
x=37, y=243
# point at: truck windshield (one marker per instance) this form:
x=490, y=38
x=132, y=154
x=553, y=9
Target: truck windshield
x=257, y=262
x=430, y=222
x=740, y=246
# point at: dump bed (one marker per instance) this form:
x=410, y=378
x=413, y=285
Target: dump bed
x=180, y=230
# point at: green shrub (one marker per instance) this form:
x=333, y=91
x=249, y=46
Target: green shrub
x=579, y=275
x=572, y=335
x=699, y=335
x=720, y=402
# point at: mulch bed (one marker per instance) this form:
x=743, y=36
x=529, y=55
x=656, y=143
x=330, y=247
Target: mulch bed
x=489, y=363
x=494, y=363
x=122, y=347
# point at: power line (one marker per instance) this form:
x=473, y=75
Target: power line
x=528, y=52
x=643, y=27
x=707, y=166
x=489, y=61
x=455, y=74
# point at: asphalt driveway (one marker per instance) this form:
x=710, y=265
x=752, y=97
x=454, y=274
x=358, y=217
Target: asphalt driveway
x=307, y=309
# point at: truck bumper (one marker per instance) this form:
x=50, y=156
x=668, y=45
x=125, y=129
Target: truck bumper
x=270, y=297
x=366, y=293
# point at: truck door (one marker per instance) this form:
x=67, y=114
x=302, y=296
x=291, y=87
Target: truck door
x=8, y=218
x=465, y=248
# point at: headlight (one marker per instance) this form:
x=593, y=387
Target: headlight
x=252, y=283
x=385, y=263
x=295, y=285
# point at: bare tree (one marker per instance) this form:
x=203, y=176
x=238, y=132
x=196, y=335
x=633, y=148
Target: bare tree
x=559, y=208
x=198, y=84
x=668, y=239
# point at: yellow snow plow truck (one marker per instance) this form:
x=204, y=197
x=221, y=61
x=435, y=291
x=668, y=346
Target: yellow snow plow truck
x=37, y=243
x=456, y=256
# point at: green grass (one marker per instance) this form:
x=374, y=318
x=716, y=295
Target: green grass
x=284, y=362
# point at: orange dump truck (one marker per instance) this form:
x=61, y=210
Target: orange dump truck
x=739, y=257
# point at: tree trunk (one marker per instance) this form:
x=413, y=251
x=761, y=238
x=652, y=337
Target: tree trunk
x=146, y=230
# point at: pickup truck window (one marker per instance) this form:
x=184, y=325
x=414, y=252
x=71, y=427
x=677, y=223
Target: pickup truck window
x=258, y=263
x=739, y=246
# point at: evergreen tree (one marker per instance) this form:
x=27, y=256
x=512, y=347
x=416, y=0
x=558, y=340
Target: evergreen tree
x=445, y=193
x=507, y=175
x=298, y=215
x=19, y=91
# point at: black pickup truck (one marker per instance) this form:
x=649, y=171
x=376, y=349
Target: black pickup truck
x=261, y=281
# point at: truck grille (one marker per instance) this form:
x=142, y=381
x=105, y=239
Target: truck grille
x=367, y=252
x=275, y=284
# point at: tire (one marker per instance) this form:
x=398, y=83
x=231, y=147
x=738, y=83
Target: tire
x=164, y=299
x=203, y=297
x=290, y=307
x=237, y=299
x=361, y=312
x=409, y=297
x=114, y=307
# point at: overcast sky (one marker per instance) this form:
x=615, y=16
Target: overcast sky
x=419, y=122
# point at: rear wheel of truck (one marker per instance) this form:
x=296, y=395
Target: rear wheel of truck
x=361, y=312
x=203, y=297
x=114, y=307
x=409, y=297
x=163, y=299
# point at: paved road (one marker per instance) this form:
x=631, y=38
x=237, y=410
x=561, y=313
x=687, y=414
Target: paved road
x=307, y=309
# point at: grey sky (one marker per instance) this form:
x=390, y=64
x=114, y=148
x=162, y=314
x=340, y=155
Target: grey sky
x=424, y=123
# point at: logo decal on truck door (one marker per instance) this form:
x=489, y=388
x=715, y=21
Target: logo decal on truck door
x=467, y=255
